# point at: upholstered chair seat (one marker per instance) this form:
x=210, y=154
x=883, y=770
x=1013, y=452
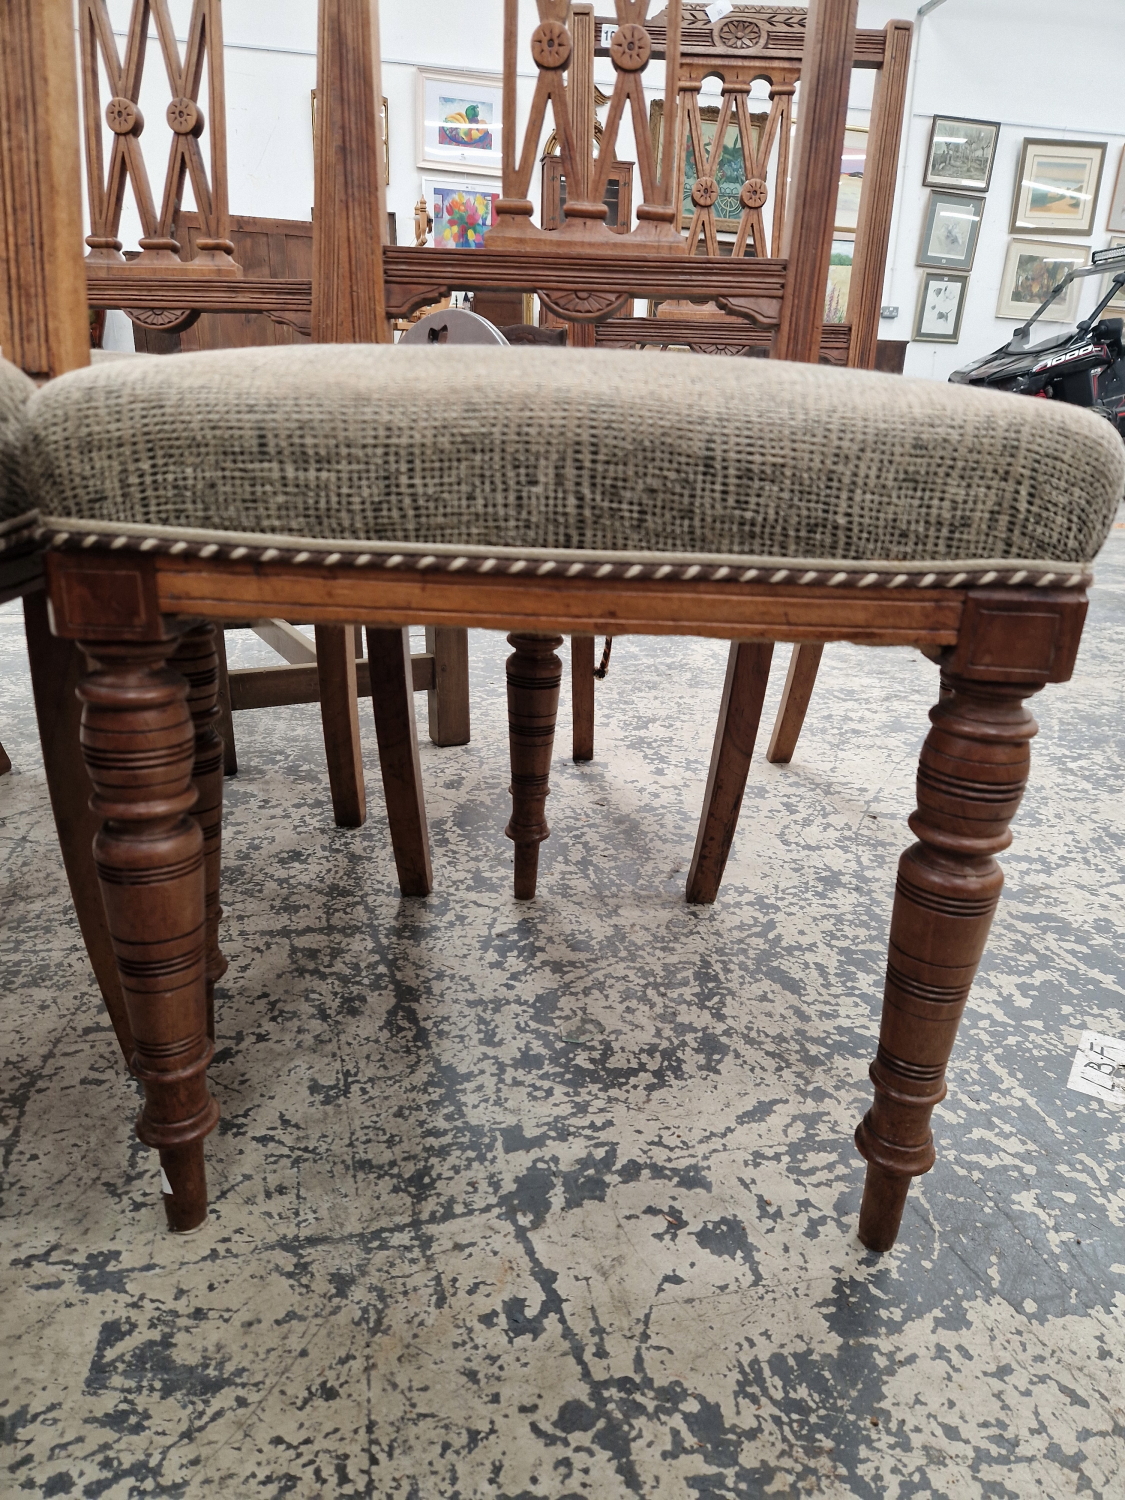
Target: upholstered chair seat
x=567, y=462
x=16, y=518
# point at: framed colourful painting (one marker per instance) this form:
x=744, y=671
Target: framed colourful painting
x=462, y=212
x=460, y=121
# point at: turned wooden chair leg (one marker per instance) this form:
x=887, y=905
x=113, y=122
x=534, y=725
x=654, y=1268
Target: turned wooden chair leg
x=198, y=659
x=56, y=668
x=225, y=725
x=534, y=678
x=448, y=699
x=339, y=712
x=5, y=762
x=799, y=683
x=392, y=698
x=582, y=695
x=744, y=691
x=139, y=743
x=971, y=776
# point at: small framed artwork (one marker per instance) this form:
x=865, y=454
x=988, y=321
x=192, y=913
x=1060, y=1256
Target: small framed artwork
x=940, y=306
x=949, y=235
x=463, y=213
x=961, y=154
x=1032, y=268
x=460, y=121
x=1116, y=308
x=1057, y=186
x=1117, y=202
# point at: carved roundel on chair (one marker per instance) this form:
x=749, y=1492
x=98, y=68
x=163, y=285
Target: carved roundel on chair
x=704, y=192
x=754, y=193
x=123, y=117
x=550, y=45
x=630, y=48
x=738, y=34
x=185, y=117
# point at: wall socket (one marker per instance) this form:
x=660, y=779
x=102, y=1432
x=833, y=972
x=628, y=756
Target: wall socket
x=889, y=313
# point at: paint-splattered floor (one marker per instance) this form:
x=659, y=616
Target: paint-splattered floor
x=560, y=1200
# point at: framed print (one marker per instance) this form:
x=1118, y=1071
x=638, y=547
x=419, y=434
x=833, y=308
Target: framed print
x=852, y=162
x=1116, y=308
x=462, y=212
x=961, y=154
x=1031, y=269
x=1117, y=202
x=940, y=306
x=385, y=122
x=1057, y=186
x=460, y=121
x=949, y=235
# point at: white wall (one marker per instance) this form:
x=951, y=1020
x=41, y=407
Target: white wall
x=1040, y=69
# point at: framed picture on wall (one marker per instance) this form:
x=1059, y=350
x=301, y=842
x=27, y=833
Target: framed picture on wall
x=730, y=172
x=462, y=212
x=460, y=121
x=1032, y=268
x=1117, y=202
x=1116, y=308
x=940, y=306
x=1057, y=186
x=961, y=154
x=949, y=234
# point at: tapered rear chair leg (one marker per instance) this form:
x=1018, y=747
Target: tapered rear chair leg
x=740, y=712
x=971, y=776
x=534, y=678
x=392, y=699
x=448, y=699
x=339, y=712
x=139, y=743
x=795, y=697
x=197, y=659
x=225, y=726
x=582, y=695
x=5, y=762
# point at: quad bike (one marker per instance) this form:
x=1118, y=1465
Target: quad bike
x=1085, y=366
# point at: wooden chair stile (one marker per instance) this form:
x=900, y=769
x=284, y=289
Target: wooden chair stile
x=1001, y=625
x=183, y=249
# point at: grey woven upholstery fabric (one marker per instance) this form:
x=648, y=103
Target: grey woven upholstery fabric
x=15, y=392
x=608, y=452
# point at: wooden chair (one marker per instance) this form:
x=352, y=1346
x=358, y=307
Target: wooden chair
x=185, y=250
x=1003, y=615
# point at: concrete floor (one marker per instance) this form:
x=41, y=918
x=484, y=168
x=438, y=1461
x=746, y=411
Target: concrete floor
x=560, y=1200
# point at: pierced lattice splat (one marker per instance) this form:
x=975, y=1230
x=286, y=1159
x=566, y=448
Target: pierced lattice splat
x=107, y=181
x=563, y=44
x=756, y=146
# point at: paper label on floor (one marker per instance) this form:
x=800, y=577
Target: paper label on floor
x=1099, y=1067
x=165, y=1185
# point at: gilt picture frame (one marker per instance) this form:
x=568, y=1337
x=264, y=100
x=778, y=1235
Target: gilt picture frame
x=1031, y=269
x=961, y=153
x=460, y=121
x=1116, y=221
x=1057, y=186
x=941, y=306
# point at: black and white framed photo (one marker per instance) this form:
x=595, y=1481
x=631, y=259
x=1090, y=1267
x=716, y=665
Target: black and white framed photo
x=940, y=306
x=1057, y=186
x=961, y=154
x=949, y=234
x=1032, y=269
